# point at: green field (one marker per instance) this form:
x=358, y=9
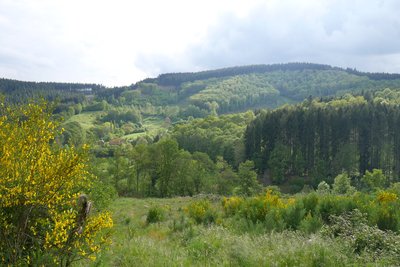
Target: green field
x=153, y=125
x=86, y=119
x=179, y=241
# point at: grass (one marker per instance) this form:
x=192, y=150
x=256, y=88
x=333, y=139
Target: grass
x=153, y=125
x=178, y=241
x=86, y=119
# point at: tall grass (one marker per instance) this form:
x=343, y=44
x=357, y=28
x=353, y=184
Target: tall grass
x=179, y=240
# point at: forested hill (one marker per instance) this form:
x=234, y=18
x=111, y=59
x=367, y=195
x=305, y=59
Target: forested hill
x=16, y=91
x=216, y=91
x=176, y=79
x=240, y=88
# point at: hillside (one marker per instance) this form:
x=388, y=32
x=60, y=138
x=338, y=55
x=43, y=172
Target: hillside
x=179, y=175
x=151, y=106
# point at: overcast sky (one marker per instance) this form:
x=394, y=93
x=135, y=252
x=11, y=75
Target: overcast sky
x=119, y=42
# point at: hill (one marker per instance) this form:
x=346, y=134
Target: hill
x=246, y=87
x=151, y=106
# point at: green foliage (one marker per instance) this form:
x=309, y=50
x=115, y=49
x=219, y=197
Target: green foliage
x=96, y=106
x=155, y=214
x=201, y=212
x=294, y=215
x=374, y=180
x=74, y=134
x=235, y=93
x=278, y=162
x=248, y=183
x=118, y=115
x=321, y=139
x=333, y=205
x=342, y=184
x=323, y=188
x=227, y=179
x=238, y=242
x=310, y=224
x=103, y=194
x=162, y=169
x=353, y=229
x=216, y=136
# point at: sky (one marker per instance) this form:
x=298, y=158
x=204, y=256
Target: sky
x=119, y=42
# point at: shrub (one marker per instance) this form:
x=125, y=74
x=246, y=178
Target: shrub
x=387, y=211
x=353, y=229
x=201, y=212
x=310, y=224
x=231, y=205
x=180, y=224
x=374, y=180
x=41, y=221
x=293, y=215
x=310, y=202
x=342, y=184
x=155, y=214
x=334, y=205
x=323, y=188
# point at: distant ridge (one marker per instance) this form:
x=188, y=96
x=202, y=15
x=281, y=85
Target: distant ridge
x=176, y=79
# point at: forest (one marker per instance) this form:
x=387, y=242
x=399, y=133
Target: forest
x=354, y=134
x=274, y=165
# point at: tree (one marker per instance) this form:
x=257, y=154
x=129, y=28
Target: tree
x=166, y=153
x=278, y=162
x=226, y=177
x=323, y=187
x=248, y=184
x=374, y=180
x=342, y=184
x=44, y=215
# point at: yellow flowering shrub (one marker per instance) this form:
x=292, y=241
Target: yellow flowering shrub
x=385, y=197
x=201, y=211
x=40, y=183
x=231, y=205
x=257, y=208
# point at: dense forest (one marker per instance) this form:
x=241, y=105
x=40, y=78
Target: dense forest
x=322, y=138
x=177, y=79
x=209, y=92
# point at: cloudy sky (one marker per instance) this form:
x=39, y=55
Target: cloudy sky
x=118, y=42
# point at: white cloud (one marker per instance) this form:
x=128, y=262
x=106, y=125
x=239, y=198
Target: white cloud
x=118, y=42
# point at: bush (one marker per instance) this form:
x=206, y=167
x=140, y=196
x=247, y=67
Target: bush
x=155, y=214
x=310, y=202
x=323, y=188
x=342, y=184
x=353, y=229
x=43, y=214
x=374, y=180
x=334, y=205
x=201, y=212
x=231, y=205
x=310, y=224
x=387, y=211
x=293, y=215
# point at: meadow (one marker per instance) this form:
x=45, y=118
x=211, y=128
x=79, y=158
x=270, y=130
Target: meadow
x=205, y=231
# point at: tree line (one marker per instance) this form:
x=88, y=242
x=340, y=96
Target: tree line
x=320, y=139
x=162, y=169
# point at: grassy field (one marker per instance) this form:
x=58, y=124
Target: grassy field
x=179, y=241
x=153, y=126
x=85, y=119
